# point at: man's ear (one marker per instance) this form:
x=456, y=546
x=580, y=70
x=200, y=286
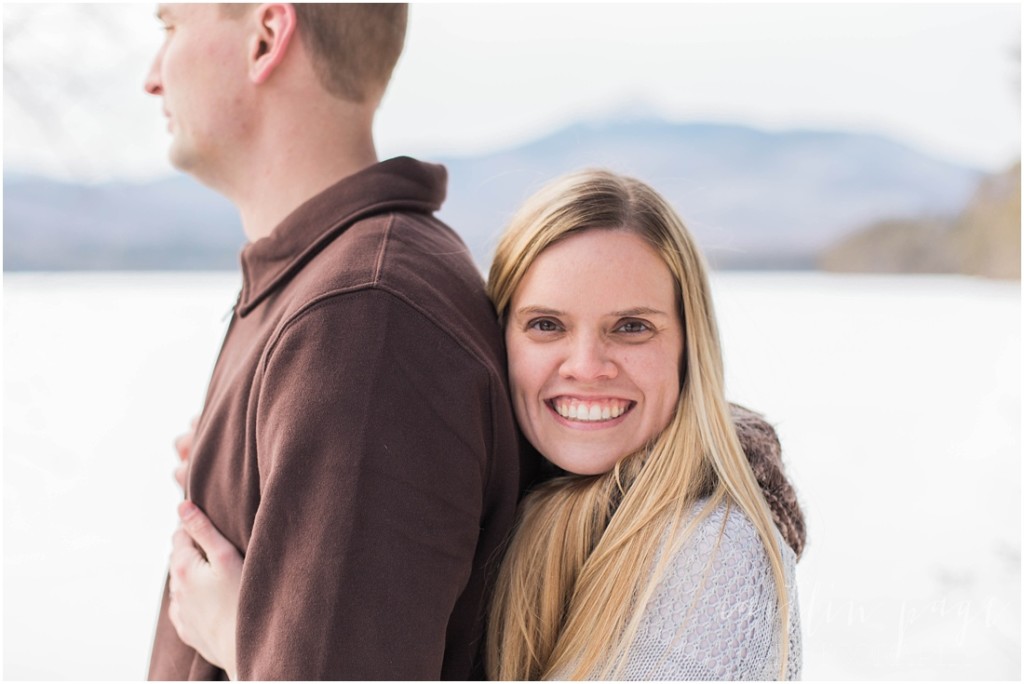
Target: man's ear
x=275, y=26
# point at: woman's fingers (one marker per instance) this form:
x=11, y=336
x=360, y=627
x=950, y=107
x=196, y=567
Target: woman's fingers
x=184, y=557
x=183, y=447
x=220, y=553
x=206, y=572
x=180, y=475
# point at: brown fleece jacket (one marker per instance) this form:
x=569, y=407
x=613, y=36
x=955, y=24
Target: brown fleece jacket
x=357, y=443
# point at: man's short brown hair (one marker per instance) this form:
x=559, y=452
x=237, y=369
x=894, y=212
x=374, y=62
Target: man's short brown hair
x=354, y=46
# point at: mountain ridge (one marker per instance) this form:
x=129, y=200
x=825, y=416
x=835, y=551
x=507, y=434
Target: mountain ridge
x=752, y=197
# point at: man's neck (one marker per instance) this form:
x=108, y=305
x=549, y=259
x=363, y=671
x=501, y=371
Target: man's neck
x=296, y=149
x=280, y=183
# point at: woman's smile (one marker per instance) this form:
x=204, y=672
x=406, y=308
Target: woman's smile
x=579, y=412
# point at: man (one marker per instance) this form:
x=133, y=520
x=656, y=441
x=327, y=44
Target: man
x=356, y=442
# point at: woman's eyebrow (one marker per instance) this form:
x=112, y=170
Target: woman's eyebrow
x=638, y=311
x=534, y=310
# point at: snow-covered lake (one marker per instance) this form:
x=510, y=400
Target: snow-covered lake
x=897, y=400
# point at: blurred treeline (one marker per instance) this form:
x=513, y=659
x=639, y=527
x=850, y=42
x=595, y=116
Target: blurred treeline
x=983, y=239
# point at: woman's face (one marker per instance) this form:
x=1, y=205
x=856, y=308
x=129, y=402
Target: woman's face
x=594, y=347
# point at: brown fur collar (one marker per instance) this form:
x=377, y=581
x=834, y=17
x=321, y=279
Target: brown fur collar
x=762, y=447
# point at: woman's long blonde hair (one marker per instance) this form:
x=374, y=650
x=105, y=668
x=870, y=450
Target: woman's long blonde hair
x=581, y=563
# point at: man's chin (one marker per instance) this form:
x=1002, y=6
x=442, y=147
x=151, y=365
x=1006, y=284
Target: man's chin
x=180, y=163
x=182, y=158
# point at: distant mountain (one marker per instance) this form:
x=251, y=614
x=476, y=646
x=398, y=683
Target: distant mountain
x=174, y=223
x=753, y=198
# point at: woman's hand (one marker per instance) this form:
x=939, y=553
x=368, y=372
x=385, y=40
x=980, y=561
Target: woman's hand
x=204, y=590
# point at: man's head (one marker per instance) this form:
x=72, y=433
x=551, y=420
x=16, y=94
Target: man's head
x=224, y=69
x=354, y=47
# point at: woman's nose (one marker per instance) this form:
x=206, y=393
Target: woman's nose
x=587, y=360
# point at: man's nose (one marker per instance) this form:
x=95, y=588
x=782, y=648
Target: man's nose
x=587, y=360
x=153, y=84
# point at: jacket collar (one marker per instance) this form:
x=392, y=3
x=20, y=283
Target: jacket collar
x=399, y=184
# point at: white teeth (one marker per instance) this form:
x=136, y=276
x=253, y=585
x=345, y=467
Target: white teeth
x=587, y=412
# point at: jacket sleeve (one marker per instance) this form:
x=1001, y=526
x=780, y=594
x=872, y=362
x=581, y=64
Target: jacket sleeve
x=372, y=432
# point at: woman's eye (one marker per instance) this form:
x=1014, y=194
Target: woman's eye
x=543, y=325
x=633, y=327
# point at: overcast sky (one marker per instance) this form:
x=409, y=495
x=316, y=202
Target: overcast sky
x=942, y=78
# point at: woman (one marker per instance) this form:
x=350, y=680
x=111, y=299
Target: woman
x=655, y=556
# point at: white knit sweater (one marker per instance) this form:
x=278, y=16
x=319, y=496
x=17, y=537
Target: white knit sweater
x=715, y=614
